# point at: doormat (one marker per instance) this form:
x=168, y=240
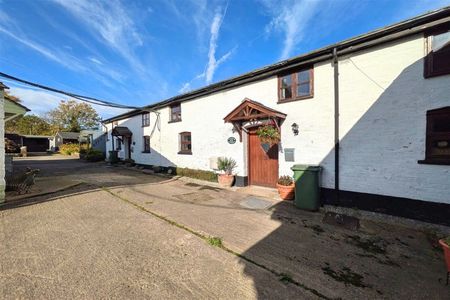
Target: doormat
x=255, y=203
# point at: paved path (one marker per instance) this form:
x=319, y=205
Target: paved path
x=96, y=246
x=123, y=234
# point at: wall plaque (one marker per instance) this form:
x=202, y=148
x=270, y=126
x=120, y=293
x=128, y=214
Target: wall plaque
x=231, y=140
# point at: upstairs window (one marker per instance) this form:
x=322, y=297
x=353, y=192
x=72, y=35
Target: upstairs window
x=296, y=86
x=146, y=139
x=175, y=113
x=146, y=119
x=185, y=143
x=437, y=61
x=438, y=137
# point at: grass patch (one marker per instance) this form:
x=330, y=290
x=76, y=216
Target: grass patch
x=197, y=174
x=215, y=241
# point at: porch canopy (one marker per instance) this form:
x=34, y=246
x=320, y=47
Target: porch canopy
x=121, y=131
x=251, y=111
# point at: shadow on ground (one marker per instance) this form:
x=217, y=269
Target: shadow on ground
x=375, y=261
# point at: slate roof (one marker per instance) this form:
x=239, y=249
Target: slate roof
x=401, y=29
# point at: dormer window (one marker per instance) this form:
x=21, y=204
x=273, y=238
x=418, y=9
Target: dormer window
x=175, y=113
x=437, y=61
x=146, y=119
x=296, y=85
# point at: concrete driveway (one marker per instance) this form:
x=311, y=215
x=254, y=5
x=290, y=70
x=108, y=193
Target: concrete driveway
x=124, y=234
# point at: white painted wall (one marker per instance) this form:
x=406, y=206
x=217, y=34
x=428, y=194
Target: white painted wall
x=384, y=99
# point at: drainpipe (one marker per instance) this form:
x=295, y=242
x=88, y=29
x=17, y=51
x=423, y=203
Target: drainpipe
x=336, y=124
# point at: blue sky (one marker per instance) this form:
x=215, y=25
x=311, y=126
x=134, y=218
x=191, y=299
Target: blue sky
x=140, y=52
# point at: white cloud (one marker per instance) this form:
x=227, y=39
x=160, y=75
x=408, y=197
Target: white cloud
x=68, y=63
x=292, y=18
x=186, y=87
x=214, y=63
x=65, y=59
x=40, y=102
x=95, y=60
x=110, y=23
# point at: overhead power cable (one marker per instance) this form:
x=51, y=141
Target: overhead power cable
x=73, y=95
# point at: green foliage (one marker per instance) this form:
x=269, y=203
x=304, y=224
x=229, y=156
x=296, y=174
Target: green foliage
x=447, y=241
x=69, y=149
x=214, y=241
x=268, y=134
x=29, y=124
x=285, y=180
x=94, y=155
x=198, y=174
x=73, y=116
x=226, y=164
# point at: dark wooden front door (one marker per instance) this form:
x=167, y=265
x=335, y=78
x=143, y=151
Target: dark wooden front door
x=262, y=166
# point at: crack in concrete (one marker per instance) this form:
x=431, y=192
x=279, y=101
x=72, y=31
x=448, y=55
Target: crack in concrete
x=282, y=276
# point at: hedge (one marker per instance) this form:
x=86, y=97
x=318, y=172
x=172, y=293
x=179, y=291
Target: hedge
x=69, y=149
x=198, y=174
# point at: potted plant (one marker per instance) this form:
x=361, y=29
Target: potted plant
x=227, y=166
x=445, y=243
x=269, y=136
x=286, y=187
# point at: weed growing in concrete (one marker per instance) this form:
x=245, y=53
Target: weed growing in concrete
x=215, y=241
x=286, y=278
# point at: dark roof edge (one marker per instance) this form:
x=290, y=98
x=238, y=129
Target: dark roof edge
x=354, y=44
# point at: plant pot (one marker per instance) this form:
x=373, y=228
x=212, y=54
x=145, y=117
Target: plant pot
x=446, y=249
x=286, y=192
x=225, y=180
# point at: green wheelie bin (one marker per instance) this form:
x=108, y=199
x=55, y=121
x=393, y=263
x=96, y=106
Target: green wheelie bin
x=307, y=186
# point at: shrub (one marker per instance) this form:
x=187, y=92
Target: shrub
x=94, y=155
x=198, y=174
x=227, y=165
x=69, y=149
x=285, y=180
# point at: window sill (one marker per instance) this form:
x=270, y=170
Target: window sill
x=145, y=152
x=185, y=152
x=146, y=125
x=174, y=121
x=436, y=74
x=294, y=99
x=431, y=161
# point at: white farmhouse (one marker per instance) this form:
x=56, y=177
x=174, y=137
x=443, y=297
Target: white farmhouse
x=373, y=111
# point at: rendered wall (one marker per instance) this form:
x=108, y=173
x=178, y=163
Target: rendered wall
x=383, y=102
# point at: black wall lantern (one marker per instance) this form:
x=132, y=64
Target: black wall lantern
x=295, y=128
